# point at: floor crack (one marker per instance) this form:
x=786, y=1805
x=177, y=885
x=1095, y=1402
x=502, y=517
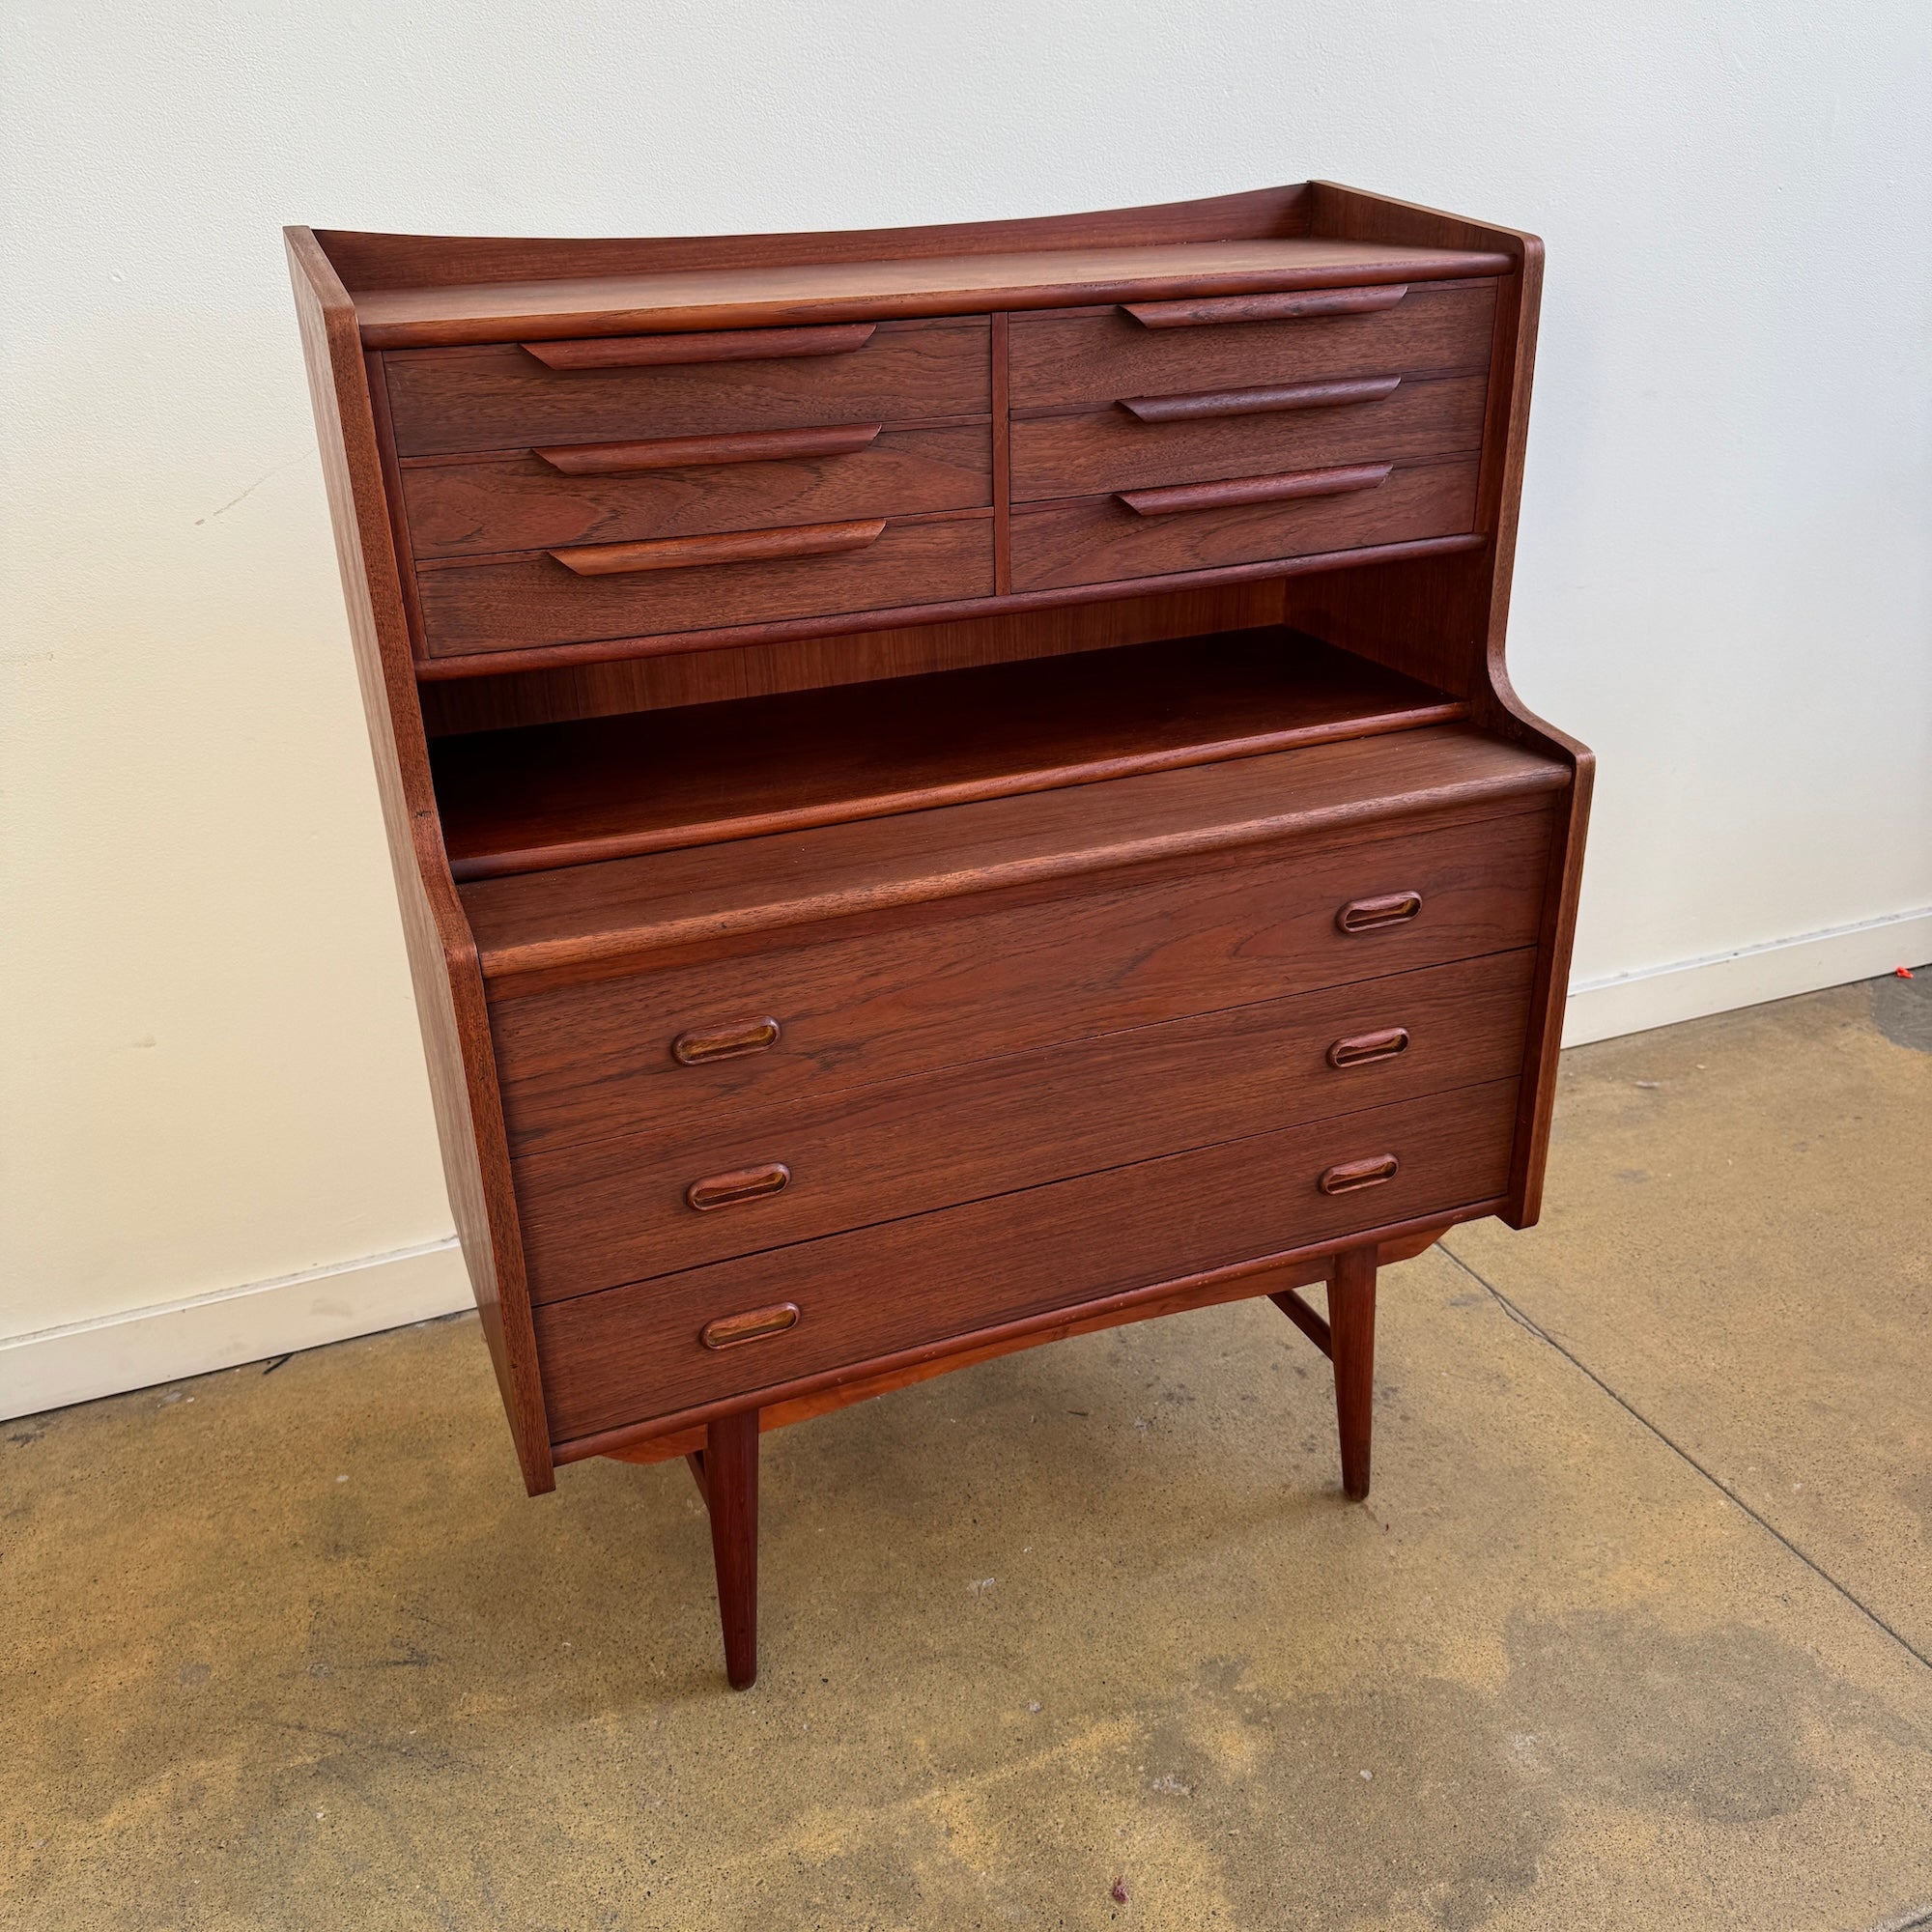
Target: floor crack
x=1677, y=1449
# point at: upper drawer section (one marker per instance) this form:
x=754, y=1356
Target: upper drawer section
x=1166, y=348
x=507, y=396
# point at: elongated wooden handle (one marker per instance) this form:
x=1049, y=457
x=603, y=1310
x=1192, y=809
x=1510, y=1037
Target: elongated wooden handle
x=1348, y=1175
x=1291, y=307
x=1369, y=915
x=675, y=452
x=1179, y=496
x=741, y=1183
x=754, y=1325
x=1363, y=1047
x=693, y=1049
x=1258, y=402
x=733, y=547
x=716, y=345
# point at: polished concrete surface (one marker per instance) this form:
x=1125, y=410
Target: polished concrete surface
x=1634, y=1631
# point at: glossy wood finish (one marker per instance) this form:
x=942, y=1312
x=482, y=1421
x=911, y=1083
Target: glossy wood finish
x=608, y=1362
x=1144, y=442
x=924, y=285
x=893, y=997
x=730, y=1487
x=609, y=917
x=1101, y=540
x=499, y=396
x=570, y=794
x=1053, y=996
x=1351, y=1343
x=684, y=486
x=486, y=604
x=600, y=1213
x=1061, y=361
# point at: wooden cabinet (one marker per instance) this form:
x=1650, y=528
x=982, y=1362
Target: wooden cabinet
x=948, y=787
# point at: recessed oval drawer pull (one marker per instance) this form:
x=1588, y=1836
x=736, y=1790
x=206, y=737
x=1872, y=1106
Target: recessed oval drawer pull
x=1295, y=306
x=741, y=1183
x=1369, y=915
x=1367, y=1046
x=711, y=345
x=733, y=546
x=677, y=452
x=1257, y=402
x=1350, y=1175
x=1165, y=501
x=754, y=1325
x=693, y=1049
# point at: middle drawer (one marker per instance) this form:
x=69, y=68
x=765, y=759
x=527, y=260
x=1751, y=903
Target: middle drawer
x=623, y=1209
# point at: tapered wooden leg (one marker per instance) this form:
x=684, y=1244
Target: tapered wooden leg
x=731, y=1486
x=1351, y=1331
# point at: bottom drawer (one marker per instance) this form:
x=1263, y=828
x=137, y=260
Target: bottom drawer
x=630, y=1353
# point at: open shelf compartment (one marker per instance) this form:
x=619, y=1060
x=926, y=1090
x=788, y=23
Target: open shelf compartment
x=543, y=796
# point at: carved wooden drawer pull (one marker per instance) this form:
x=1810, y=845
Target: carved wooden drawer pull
x=693, y=1049
x=1369, y=915
x=1257, y=402
x=1172, y=498
x=676, y=452
x=1367, y=1046
x=729, y=1331
x=1291, y=307
x=733, y=547
x=710, y=345
x=742, y=1183
x=1350, y=1175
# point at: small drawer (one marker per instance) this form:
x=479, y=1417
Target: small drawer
x=822, y=1010
x=1071, y=360
x=1160, y=531
x=1245, y=432
x=633, y=1352
x=512, y=396
x=624, y=1208
x=578, y=595
x=685, y=486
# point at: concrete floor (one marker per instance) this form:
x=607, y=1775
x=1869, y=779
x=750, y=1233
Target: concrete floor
x=1633, y=1633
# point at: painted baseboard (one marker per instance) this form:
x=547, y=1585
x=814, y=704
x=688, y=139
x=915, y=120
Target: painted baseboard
x=145, y=1346
x=1693, y=989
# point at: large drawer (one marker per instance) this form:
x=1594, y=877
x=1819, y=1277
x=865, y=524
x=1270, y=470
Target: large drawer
x=517, y=602
x=465, y=506
x=1062, y=360
x=1112, y=449
x=630, y=1353
x=503, y=396
x=1105, y=540
x=616, y=1210
x=1006, y=972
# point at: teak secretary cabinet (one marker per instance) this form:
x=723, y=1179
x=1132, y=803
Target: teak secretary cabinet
x=949, y=787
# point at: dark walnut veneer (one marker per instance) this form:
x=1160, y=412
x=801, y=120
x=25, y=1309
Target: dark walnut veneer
x=948, y=787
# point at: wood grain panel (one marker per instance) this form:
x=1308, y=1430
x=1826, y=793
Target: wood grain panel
x=1061, y=362
x=482, y=606
x=500, y=397
x=1109, y=449
x=573, y=794
x=1101, y=540
x=776, y=292
x=521, y=503
x=1006, y=974
x=602, y=917
x=631, y=1353
x=613, y=1210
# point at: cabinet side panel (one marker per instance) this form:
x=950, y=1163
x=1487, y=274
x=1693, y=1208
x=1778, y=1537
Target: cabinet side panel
x=442, y=956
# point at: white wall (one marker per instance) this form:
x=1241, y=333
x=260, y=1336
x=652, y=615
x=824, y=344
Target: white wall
x=213, y=1081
